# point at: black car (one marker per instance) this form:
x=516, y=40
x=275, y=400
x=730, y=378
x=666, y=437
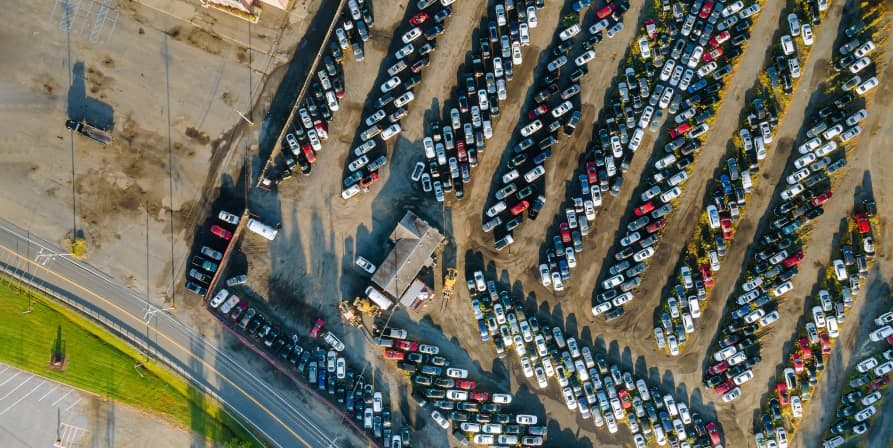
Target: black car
x=614, y=313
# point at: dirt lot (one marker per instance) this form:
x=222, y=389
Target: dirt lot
x=310, y=266
x=167, y=85
x=323, y=234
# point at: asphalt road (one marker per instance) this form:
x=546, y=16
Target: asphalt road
x=279, y=419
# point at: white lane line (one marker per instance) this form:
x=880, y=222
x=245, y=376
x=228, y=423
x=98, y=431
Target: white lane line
x=69, y=407
x=10, y=378
x=22, y=398
x=5, y=368
x=62, y=397
x=48, y=392
x=16, y=388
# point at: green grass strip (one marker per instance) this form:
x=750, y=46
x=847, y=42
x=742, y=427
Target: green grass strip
x=99, y=362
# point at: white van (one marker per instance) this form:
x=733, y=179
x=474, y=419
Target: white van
x=262, y=229
x=746, y=182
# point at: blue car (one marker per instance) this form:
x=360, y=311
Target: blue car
x=578, y=5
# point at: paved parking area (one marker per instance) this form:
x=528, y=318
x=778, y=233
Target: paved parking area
x=37, y=412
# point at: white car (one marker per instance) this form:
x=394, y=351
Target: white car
x=545, y=278
x=792, y=192
x=644, y=254
x=517, y=58
x=390, y=84
x=806, y=35
x=358, y=163
x=524, y=30
x=769, y=319
x=867, y=85
x=411, y=35
x=532, y=127
x=219, y=298
x=840, y=270
x=782, y=289
x=429, y=349
x=365, y=264
x=531, y=16
x=453, y=372
x=734, y=393
x=865, y=414
x=856, y=117
x=616, y=28
x=859, y=65
x=440, y=419
x=866, y=365
x=584, y=58
x=743, y=377
x=796, y=407
x=526, y=367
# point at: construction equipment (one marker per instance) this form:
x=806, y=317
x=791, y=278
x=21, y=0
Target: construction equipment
x=449, y=281
x=350, y=314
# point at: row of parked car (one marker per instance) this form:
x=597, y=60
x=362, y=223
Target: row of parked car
x=726, y=203
x=810, y=350
x=597, y=389
x=863, y=396
x=452, y=148
x=204, y=265
x=778, y=251
x=322, y=367
x=554, y=108
x=310, y=128
x=697, y=101
x=418, y=40
x=476, y=416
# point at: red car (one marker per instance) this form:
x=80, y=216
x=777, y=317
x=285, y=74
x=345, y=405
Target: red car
x=880, y=382
x=419, y=18
x=565, y=232
x=479, y=396
x=466, y=384
x=706, y=275
x=706, y=10
x=716, y=369
x=592, y=172
x=317, y=326
x=793, y=260
x=606, y=11
x=797, y=362
x=825, y=340
x=718, y=40
x=650, y=28
x=625, y=399
x=821, y=199
x=537, y=111
x=408, y=346
x=713, y=54
x=781, y=390
x=656, y=225
x=237, y=311
x=519, y=208
x=863, y=224
x=715, y=440
x=461, y=152
x=643, y=209
x=394, y=354
x=680, y=130
x=368, y=181
x=726, y=225
x=221, y=232
x=724, y=387
x=308, y=152
x=805, y=349
x=322, y=129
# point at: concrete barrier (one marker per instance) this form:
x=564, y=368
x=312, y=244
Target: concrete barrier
x=277, y=147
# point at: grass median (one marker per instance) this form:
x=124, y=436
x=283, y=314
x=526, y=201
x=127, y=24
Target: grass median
x=99, y=362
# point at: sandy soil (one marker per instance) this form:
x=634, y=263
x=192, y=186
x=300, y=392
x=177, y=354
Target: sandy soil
x=168, y=78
